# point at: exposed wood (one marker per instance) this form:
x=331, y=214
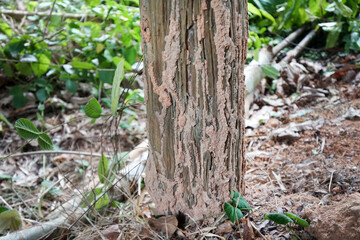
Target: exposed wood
x=289, y=39
x=194, y=53
x=53, y=152
x=300, y=47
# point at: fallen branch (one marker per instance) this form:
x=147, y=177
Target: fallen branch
x=298, y=49
x=253, y=72
x=70, y=212
x=288, y=40
x=55, y=152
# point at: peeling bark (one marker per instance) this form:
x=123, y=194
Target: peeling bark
x=194, y=53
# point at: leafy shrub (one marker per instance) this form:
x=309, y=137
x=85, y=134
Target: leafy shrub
x=56, y=51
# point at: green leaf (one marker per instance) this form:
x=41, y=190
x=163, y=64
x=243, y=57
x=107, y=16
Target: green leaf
x=41, y=94
x=344, y=10
x=254, y=10
x=8, y=69
x=71, y=86
x=298, y=220
x=317, y=7
x=278, y=218
x=24, y=69
x=5, y=120
x=93, y=108
x=270, y=71
x=232, y=212
x=45, y=142
x=10, y=219
x=95, y=195
x=19, y=99
x=83, y=65
x=106, y=75
x=268, y=16
x=41, y=67
x=103, y=168
x=130, y=54
x=26, y=129
x=102, y=201
x=6, y=29
x=115, y=91
x=3, y=209
x=15, y=46
x=239, y=201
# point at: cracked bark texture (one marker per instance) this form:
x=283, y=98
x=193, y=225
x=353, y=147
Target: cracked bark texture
x=194, y=53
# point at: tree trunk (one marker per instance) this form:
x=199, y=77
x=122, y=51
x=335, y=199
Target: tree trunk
x=194, y=53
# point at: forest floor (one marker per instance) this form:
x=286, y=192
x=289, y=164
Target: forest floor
x=302, y=154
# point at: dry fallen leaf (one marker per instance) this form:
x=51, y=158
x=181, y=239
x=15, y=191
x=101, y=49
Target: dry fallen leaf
x=248, y=233
x=167, y=225
x=112, y=232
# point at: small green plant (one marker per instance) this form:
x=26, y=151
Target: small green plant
x=27, y=130
x=238, y=206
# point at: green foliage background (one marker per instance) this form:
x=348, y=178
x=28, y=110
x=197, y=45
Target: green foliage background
x=53, y=52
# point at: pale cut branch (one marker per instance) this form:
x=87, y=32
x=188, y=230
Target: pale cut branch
x=55, y=152
x=288, y=40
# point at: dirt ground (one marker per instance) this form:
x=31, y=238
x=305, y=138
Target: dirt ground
x=312, y=171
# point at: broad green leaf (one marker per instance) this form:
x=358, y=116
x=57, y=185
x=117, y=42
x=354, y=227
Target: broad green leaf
x=317, y=7
x=19, y=99
x=268, y=16
x=10, y=219
x=115, y=91
x=45, y=142
x=41, y=67
x=8, y=69
x=83, y=65
x=333, y=36
x=15, y=46
x=93, y=108
x=254, y=10
x=130, y=54
x=26, y=129
x=24, y=68
x=239, y=201
x=278, y=218
x=4, y=27
x=41, y=94
x=270, y=71
x=31, y=5
x=344, y=10
x=232, y=212
x=103, y=168
x=106, y=75
x=298, y=220
x=92, y=3
x=71, y=86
